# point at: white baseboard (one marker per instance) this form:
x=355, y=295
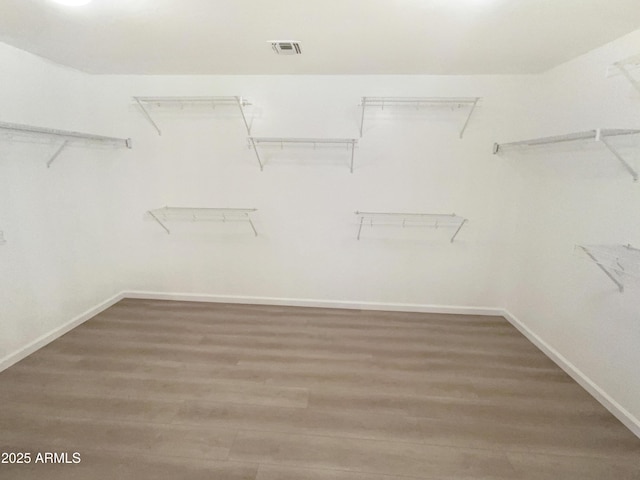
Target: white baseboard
x=622, y=414
x=43, y=340
x=303, y=302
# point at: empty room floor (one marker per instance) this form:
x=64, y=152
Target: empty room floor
x=177, y=390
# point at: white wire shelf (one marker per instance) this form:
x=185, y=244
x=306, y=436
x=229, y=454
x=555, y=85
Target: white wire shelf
x=188, y=214
x=404, y=220
x=598, y=135
x=146, y=102
x=616, y=261
x=626, y=66
x=420, y=102
x=65, y=136
x=349, y=143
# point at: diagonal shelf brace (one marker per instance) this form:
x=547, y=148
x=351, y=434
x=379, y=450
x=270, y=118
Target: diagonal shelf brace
x=458, y=230
x=252, y=144
x=603, y=268
x=364, y=104
x=241, y=104
x=255, y=232
x=360, y=227
x=147, y=115
x=466, y=123
x=353, y=151
x=627, y=75
x=159, y=222
x=624, y=163
x=58, y=152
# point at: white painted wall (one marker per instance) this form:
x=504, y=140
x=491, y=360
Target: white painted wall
x=307, y=248
x=579, y=194
x=58, y=222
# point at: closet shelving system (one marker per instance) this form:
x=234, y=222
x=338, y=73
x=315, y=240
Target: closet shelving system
x=420, y=102
x=65, y=136
x=403, y=220
x=146, y=104
x=601, y=135
x=166, y=215
x=618, y=262
x=626, y=66
x=348, y=143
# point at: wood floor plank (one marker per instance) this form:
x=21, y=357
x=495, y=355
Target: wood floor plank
x=278, y=472
x=43, y=434
x=69, y=404
x=347, y=424
x=554, y=467
x=137, y=386
x=584, y=410
x=576, y=440
x=105, y=465
x=371, y=456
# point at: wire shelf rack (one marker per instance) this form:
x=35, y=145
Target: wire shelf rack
x=601, y=135
x=145, y=103
x=66, y=136
x=349, y=143
x=618, y=262
x=405, y=220
x=193, y=214
x=420, y=102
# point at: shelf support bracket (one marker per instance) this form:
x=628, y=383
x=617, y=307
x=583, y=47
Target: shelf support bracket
x=628, y=76
x=364, y=101
x=159, y=222
x=353, y=150
x=360, y=228
x=458, y=230
x=147, y=116
x=466, y=123
x=244, y=118
x=601, y=267
x=252, y=226
x=58, y=152
x=625, y=164
x=255, y=149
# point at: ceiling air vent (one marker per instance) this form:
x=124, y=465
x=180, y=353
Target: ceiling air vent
x=286, y=47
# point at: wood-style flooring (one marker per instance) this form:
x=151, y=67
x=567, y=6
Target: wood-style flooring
x=182, y=391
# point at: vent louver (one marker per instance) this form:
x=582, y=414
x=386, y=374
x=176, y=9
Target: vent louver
x=286, y=47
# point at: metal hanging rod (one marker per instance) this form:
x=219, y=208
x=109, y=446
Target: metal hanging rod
x=66, y=136
x=615, y=261
x=434, y=220
x=418, y=102
x=351, y=143
x=144, y=102
x=624, y=67
x=195, y=214
x=599, y=135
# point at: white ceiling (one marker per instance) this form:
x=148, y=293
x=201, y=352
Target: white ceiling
x=338, y=36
